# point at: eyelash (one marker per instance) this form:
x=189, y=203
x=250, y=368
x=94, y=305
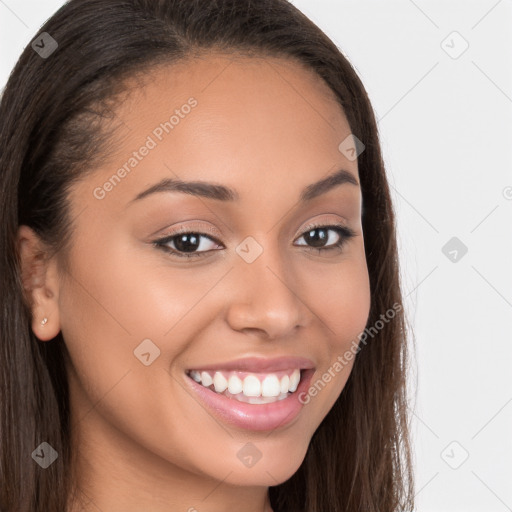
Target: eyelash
x=345, y=234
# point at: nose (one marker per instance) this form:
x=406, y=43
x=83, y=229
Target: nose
x=265, y=297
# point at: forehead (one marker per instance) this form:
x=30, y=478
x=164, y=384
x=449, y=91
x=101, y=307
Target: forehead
x=241, y=121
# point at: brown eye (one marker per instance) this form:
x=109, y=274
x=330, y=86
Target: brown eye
x=318, y=237
x=187, y=244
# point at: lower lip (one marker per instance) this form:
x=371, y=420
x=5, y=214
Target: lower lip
x=256, y=417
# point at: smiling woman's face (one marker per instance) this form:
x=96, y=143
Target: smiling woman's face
x=136, y=317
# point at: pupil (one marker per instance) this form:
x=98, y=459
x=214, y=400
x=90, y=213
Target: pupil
x=182, y=244
x=316, y=241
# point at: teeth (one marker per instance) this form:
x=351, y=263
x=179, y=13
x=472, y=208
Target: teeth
x=285, y=384
x=251, y=388
x=270, y=386
x=235, y=385
x=195, y=375
x=260, y=399
x=206, y=379
x=294, y=380
x=220, y=382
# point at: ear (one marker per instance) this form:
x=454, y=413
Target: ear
x=40, y=283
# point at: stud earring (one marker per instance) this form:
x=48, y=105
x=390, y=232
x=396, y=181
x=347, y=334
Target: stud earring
x=44, y=320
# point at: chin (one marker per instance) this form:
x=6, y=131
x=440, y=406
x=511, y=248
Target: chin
x=265, y=473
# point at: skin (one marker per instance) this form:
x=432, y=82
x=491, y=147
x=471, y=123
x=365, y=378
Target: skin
x=267, y=128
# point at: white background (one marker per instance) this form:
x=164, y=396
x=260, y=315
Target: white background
x=446, y=128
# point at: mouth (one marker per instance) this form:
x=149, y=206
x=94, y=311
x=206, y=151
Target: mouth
x=251, y=400
x=249, y=387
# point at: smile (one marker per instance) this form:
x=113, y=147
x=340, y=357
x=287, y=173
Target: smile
x=252, y=388
x=255, y=397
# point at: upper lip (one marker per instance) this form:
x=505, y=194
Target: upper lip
x=260, y=364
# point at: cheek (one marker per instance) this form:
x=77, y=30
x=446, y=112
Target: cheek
x=107, y=312
x=347, y=305
x=114, y=313
x=342, y=301
x=340, y=296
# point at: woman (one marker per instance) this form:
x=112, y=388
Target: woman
x=201, y=306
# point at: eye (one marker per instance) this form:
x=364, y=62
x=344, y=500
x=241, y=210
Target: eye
x=193, y=244
x=318, y=237
x=187, y=245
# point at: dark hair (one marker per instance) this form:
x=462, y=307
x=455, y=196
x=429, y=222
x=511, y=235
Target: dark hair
x=54, y=113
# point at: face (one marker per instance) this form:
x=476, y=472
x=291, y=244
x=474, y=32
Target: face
x=247, y=277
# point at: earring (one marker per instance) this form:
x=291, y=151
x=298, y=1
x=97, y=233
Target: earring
x=44, y=320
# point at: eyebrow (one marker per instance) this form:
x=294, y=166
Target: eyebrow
x=223, y=193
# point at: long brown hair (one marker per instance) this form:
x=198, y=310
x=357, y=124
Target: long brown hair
x=359, y=459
